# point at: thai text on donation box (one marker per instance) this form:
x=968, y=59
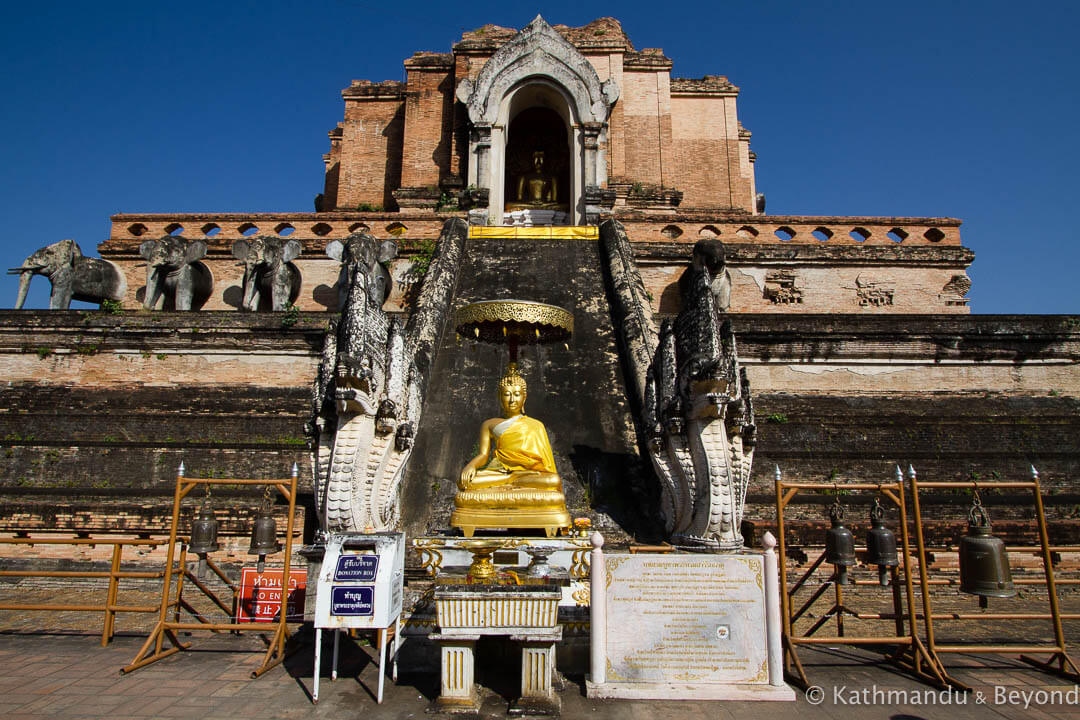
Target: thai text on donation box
x=360, y=584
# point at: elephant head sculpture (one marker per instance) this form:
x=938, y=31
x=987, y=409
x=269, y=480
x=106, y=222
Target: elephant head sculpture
x=362, y=251
x=175, y=279
x=269, y=271
x=73, y=276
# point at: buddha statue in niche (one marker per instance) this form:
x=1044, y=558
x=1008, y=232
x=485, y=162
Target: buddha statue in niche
x=537, y=189
x=512, y=482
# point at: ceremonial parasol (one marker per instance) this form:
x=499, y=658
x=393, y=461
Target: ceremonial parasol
x=514, y=323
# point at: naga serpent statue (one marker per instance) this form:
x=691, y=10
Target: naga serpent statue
x=369, y=391
x=696, y=414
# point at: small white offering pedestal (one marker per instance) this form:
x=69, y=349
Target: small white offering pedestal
x=526, y=614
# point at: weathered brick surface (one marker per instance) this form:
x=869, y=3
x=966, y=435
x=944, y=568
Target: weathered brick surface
x=371, y=149
x=409, y=134
x=946, y=436
x=705, y=163
x=640, y=100
x=429, y=121
x=877, y=274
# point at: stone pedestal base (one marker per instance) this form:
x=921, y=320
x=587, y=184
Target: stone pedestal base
x=525, y=614
x=457, y=686
x=687, y=691
x=534, y=217
x=537, y=673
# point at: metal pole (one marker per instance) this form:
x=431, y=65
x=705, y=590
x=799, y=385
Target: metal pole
x=382, y=662
x=906, y=539
x=928, y=620
x=397, y=645
x=333, y=665
x=318, y=665
x=1044, y=538
x=785, y=601
x=166, y=588
x=110, y=597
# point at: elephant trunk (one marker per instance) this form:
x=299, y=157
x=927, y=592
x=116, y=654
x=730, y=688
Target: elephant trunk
x=24, y=286
x=153, y=286
x=251, y=287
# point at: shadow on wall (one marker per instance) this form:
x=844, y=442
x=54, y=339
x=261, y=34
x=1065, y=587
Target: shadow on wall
x=617, y=485
x=394, y=132
x=326, y=296
x=233, y=296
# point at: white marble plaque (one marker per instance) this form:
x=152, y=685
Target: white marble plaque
x=686, y=618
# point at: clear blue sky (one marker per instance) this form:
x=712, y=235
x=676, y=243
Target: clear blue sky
x=965, y=110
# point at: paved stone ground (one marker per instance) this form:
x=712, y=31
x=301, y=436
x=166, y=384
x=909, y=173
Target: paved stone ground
x=71, y=676
x=53, y=666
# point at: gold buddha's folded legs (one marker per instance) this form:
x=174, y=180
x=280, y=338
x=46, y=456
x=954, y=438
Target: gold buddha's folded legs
x=525, y=499
x=524, y=479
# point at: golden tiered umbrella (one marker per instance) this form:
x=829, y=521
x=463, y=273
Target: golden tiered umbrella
x=514, y=323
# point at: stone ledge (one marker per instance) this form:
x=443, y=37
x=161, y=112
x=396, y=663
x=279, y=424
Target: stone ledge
x=687, y=691
x=750, y=253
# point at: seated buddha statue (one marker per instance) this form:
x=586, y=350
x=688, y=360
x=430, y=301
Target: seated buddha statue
x=537, y=189
x=512, y=482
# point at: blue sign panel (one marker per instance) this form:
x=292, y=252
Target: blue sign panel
x=352, y=601
x=356, y=568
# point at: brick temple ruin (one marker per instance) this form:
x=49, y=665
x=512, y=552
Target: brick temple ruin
x=855, y=332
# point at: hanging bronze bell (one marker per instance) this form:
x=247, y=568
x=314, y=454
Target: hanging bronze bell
x=204, y=532
x=984, y=564
x=880, y=544
x=839, y=545
x=264, y=537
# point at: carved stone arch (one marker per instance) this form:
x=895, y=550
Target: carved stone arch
x=538, y=54
x=538, y=50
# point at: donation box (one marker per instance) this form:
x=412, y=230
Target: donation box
x=360, y=584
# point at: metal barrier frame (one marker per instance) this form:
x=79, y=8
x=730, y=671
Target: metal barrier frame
x=1059, y=662
x=166, y=628
x=114, y=573
x=910, y=653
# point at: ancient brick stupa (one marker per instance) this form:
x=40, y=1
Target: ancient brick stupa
x=552, y=164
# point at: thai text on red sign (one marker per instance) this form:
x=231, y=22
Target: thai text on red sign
x=260, y=595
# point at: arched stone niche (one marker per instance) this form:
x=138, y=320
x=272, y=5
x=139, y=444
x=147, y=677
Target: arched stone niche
x=537, y=68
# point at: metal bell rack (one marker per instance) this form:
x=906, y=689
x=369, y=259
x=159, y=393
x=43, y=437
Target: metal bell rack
x=909, y=652
x=169, y=623
x=1059, y=662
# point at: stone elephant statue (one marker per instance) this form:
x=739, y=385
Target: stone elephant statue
x=269, y=272
x=175, y=279
x=72, y=275
x=361, y=250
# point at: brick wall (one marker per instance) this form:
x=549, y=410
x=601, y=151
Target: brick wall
x=429, y=121
x=371, y=153
x=639, y=101
x=705, y=162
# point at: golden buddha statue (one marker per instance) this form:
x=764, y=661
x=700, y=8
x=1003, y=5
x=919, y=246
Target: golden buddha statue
x=537, y=189
x=512, y=482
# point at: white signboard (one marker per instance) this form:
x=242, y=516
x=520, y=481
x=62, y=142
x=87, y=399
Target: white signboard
x=361, y=581
x=686, y=618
